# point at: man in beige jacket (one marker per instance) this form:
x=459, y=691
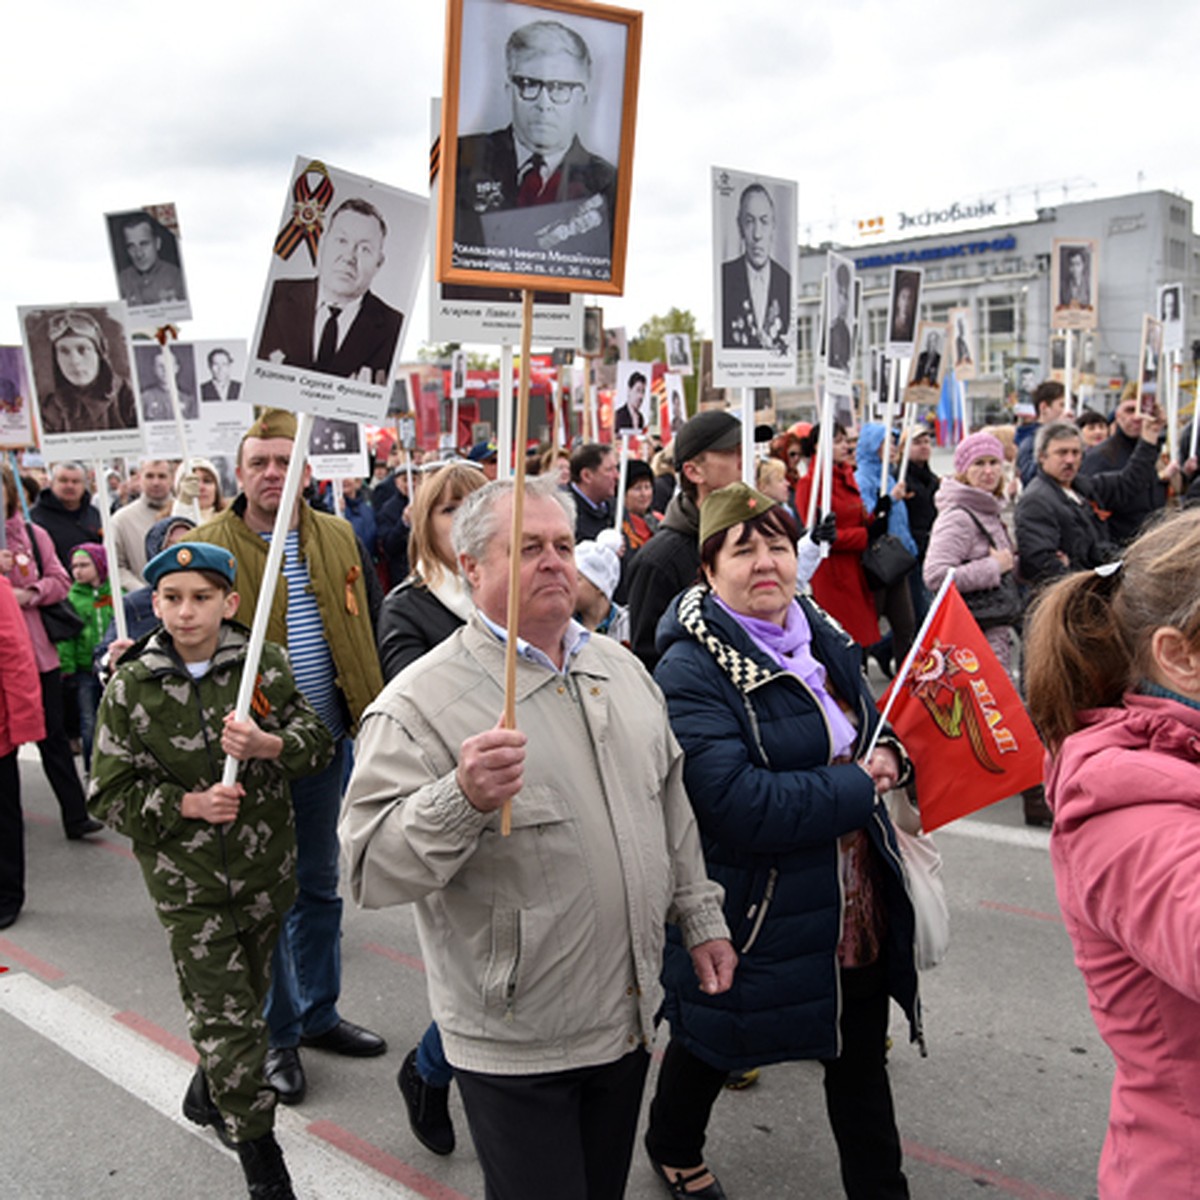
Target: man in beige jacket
x=543, y=949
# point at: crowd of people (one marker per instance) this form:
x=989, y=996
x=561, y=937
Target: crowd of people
x=681, y=817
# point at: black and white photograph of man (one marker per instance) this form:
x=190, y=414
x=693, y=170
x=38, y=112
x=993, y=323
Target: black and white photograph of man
x=841, y=336
x=962, y=341
x=676, y=405
x=1170, y=313
x=155, y=390
x=1074, y=284
x=593, y=331
x=927, y=367
x=220, y=384
x=756, y=288
x=539, y=125
x=332, y=322
x=902, y=311
x=146, y=255
x=458, y=374
x=1150, y=361
x=330, y=436
x=633, y=388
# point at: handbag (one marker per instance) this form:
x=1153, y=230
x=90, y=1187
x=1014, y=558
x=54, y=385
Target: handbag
x=998, y=606
x=62, y=623
x=923, y=873
x=886, y=560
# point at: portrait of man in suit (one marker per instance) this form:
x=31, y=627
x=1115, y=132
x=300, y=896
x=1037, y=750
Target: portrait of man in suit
x=838, y=358
x=904, y=307
x=1075, y=283
x=538, y=160
x=962, y=343
x=333, y=323
x=220, y=385
x=756, y=291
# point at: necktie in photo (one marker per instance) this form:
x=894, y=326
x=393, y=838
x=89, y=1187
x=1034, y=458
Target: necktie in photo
x=531, y=181
x=329, y=337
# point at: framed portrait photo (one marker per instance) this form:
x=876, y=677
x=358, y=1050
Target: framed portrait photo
x=538, y=117
x=593, y=331
x=928, y=364
x=1170, y=313
x=148, y=261
x=678, y=349
x=962, y=343
x=1074, y=283
x=80, y=359
x=1149, y=363
x=840, y=315
x=904, y=306
x=16, y=407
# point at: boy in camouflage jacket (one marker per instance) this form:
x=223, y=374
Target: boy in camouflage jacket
x=218, y=860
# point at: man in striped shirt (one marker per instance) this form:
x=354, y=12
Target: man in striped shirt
x=320, y=612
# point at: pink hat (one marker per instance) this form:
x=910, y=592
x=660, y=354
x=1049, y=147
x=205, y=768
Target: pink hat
x=975, y=446
x=97, y=554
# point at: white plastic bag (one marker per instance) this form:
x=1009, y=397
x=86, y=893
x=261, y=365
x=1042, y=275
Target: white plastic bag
x=923, y=870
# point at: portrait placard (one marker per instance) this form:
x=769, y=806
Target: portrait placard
x=754, y=264
x=1149, y=363
x=707, y=396
x=539, y=110
x=337, y=449
x=154, y=397
x=962, y=342
x=458, y=375
x=928, y=365
x=342, y=282
x=224, y=415
x=1074, y=283
x=146, y=255
x=678, y=349
x=632, y=407
x=673, y=410
x=1087, y=361
x=904, y=307
x=1170, y=313
x=81, y=364
x=840, y=317
x=593, y=331
x=616, y=345
x=16, y=406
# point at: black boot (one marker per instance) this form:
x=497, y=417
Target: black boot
x=266, y=1174
x=428, y=1108
x=1037, y=811
x=199, y=1108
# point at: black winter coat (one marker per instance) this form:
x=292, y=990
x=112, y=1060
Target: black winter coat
x=411, y=622
x=771, y=807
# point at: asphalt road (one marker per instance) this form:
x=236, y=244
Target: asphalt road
x=1010, y=1102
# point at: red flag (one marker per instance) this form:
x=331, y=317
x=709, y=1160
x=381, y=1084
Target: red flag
x=961, y=720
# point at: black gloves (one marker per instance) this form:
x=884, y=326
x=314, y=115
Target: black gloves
x=824, y=529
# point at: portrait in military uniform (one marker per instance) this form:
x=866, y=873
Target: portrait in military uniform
x=146, y=256
x=537, y=144
x=154, y=388
x=1170, y=313
x=840, y=307
x=903, y=303
x=1074, y=283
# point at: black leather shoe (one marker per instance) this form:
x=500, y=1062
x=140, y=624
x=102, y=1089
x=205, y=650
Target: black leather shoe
x=428, y=1108
x=266, y=1173
x=7, y=919
x=677, y=1181
x=199, y=1108
x=90, y=826
x=283, y=1072
x=349, y=1039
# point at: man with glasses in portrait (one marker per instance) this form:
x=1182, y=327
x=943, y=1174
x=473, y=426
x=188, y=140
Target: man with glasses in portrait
x=538, y=159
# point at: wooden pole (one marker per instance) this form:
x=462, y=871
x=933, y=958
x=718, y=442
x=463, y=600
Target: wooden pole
x=520, y=434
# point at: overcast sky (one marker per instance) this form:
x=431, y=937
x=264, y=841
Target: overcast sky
x=872, y=107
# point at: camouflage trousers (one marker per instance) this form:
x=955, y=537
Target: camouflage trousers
x=223, y=967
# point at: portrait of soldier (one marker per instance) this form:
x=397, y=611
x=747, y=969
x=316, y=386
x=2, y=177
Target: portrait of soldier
x=1075, y=277
x=537, y=159
x=838, y=358
x=333, y=322
x=904, y=307
x=147, y=277
x=756, y=290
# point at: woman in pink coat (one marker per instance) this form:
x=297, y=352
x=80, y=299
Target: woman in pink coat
x=1114, y=686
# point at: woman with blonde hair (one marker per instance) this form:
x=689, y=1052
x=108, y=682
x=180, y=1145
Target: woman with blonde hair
x=198, y=489
x=428, y=606
x=1113, y=673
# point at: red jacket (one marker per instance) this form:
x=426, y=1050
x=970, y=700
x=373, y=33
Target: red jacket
x=1126, y=852
x=21, y=718
x=840, y=584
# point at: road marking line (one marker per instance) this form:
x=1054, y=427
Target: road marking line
x=94, y=1034
x=30, y=962
x=1016, y=911
x=979, y=1175
x=396, y=956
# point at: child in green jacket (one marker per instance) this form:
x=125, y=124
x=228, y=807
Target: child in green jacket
x=91, y=597
x=218, y=859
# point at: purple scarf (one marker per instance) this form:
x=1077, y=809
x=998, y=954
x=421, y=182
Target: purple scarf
x=788, y=647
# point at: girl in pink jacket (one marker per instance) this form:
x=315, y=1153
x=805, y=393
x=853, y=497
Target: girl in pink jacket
x=1114, y=686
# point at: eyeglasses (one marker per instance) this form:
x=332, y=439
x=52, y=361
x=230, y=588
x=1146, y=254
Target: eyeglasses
x=560, y=91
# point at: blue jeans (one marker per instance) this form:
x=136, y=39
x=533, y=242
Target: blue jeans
x=431, y=1059
x=306, y=970
x=87, y=696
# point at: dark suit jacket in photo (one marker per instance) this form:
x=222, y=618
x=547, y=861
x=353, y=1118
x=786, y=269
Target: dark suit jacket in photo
x=208, y=390
x=839, y=345
x=370, y=341
x=739, y=328
x=927, y=367
x=486, y=178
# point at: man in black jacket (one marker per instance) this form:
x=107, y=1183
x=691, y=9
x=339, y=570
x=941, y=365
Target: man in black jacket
x=595, y=474
x=1061, y=518
x=1111, y=455
x=66, y=512
x=708, y=455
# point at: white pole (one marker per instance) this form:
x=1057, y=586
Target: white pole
x=909, y=424
x=168, y=358
x=619, y=518
x=266, y=594
x=906, y=666
x=504, y=414
x=339, y=497
x=1068, y=381
x=110, y=548
x=1173, y=370
x=889, y=413
x=960, y=391
x=748, y=436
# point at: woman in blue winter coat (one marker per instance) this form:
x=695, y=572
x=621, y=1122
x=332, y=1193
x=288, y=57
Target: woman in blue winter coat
x=768, y=699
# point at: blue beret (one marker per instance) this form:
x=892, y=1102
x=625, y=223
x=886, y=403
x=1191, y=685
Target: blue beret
x=191, y=556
